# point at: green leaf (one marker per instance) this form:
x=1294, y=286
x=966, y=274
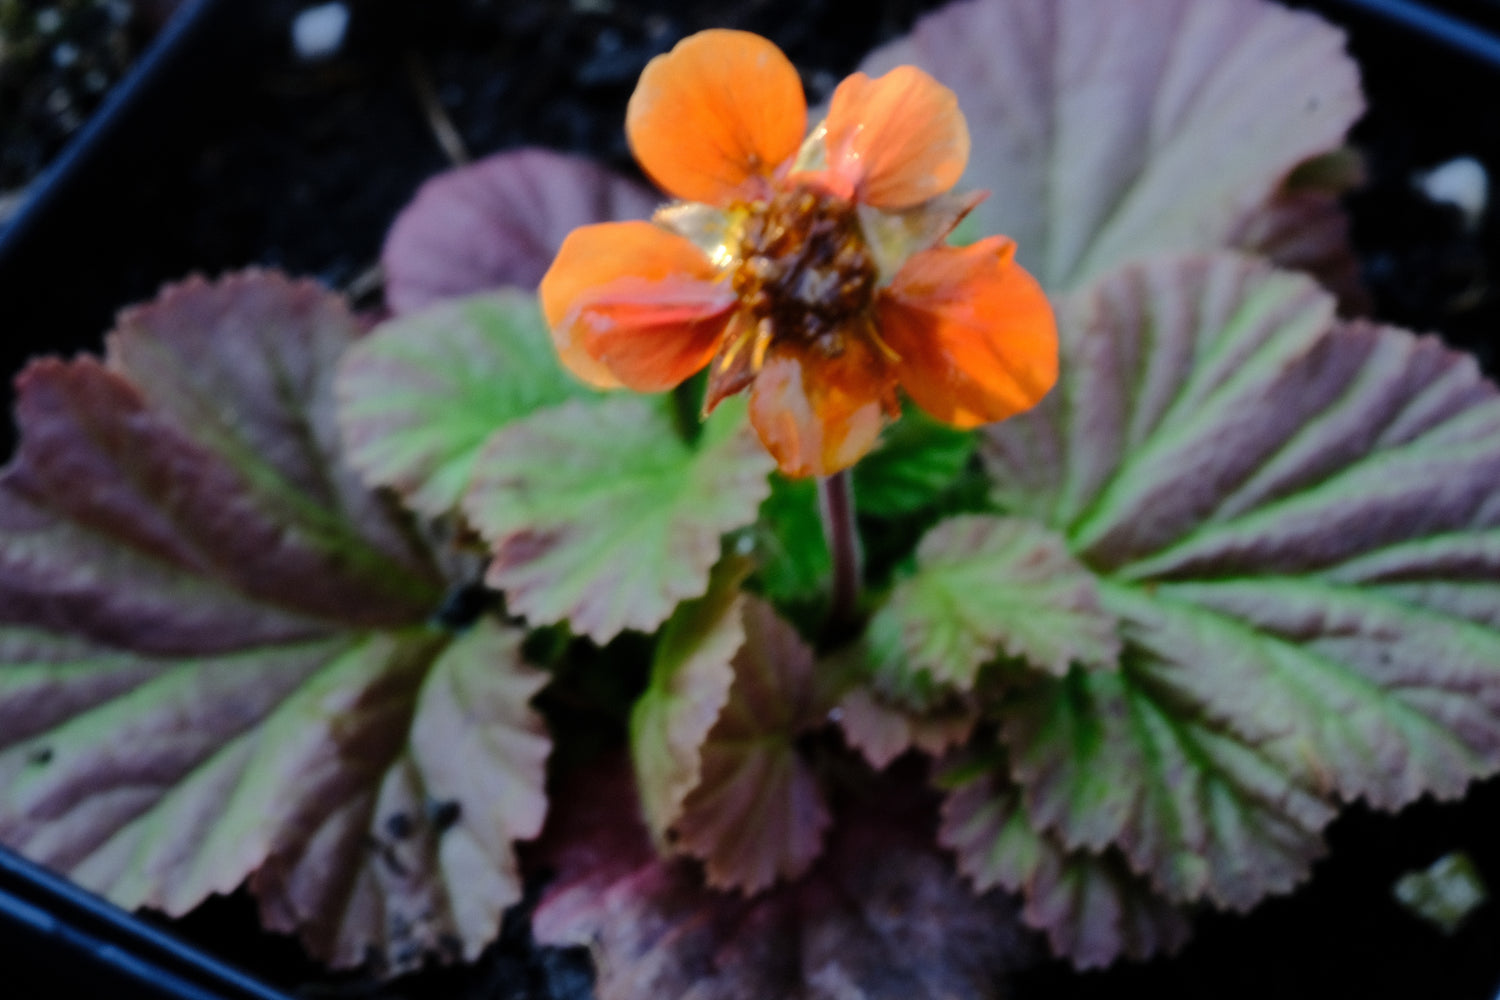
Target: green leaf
x=690, y=677
x=1111, y=132
x=1112, y=760
x=917, y=460
x=793, y=562
x=1293, y=520
x=420, y=395
x=599, y=513
x=986, y=588
x=214, y=657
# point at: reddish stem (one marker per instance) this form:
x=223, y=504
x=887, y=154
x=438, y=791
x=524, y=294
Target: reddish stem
x=836, y=504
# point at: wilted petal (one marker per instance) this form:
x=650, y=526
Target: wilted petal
x=894, y=236
x=817, y=415
x=896, y=140
x=713, y=118
x=976, y=336
x=630, y=303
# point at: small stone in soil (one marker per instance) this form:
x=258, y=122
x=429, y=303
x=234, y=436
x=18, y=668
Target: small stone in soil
x=1460, y=182
x=318, y=32
x=1444, y=894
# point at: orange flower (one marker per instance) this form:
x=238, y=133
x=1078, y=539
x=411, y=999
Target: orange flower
x=812, y=271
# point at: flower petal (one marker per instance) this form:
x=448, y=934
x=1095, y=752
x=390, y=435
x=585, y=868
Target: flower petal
x=817, y=415
x=896, y=140
x=894, y=236
x=631, y=304
x=975, y=333
x=711, y=120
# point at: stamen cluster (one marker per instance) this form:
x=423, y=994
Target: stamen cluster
x=804, y=271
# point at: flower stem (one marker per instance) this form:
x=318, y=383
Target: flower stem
x=836, y=504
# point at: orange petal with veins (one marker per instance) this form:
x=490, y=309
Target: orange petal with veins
x=632, y=304
x=711, y=120
x=817, y=415
x=976, y=336
x=896, y=140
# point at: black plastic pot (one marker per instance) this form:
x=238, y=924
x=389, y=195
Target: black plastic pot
x=62, y=941
x=66, y=257
x=145, y=166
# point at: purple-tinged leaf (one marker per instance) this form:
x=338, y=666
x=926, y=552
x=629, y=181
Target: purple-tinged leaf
x=599, y=513
x=499, y=222
x=882, y=916
x=1106, y=132
x=757, y=814
x=883, y=731
x=1294, y=521
x=417, y=858
x=214, y=662
x=420, y=396
x=986, y=588
x=1303, y=227
x=1109, y=760
x=1091, y=906
x=145, y=509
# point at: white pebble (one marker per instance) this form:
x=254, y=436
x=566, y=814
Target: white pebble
x=1461, y=182
x=318, y=32
x=64, y=54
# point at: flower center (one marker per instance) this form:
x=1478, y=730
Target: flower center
x=805, y=270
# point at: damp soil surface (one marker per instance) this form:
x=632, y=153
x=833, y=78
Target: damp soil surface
x=274, y=161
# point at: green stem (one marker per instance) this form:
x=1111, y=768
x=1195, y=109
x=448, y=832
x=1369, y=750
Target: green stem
x=687, y=408
x=836, y=504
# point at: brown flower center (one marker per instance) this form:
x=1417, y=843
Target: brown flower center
x=804, y=270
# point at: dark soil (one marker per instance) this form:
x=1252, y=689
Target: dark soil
x=58, y=58
x=269, y=161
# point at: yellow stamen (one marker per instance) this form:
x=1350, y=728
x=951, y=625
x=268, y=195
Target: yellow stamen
x=733, y=351
x=879, y=342
x=763, y=333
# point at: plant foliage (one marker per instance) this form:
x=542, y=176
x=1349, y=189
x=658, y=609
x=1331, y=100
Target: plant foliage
x=270, y=585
